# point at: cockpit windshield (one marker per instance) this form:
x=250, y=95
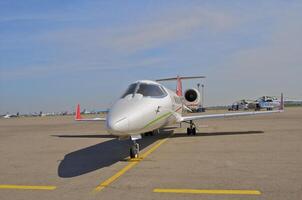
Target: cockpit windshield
x=150, y=90
x=147, y=90
x=130, y=90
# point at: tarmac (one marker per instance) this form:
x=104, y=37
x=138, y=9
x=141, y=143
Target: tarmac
x=255, y=157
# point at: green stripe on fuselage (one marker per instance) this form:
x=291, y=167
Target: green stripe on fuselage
x=158, y=118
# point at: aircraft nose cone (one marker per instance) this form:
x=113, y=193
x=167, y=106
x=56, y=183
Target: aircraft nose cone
x=121, y=125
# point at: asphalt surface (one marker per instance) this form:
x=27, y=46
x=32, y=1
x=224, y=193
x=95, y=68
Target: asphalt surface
x=71, y=160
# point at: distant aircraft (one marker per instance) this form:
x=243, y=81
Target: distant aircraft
x=148, y=106
x=240, y=105
x=267, y=102
x=7, y=116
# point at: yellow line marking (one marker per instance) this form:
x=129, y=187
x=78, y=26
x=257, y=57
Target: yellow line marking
x=133, y=159
x=158, y=118
x=132, y=163
x=27, y=187
x=153, y=148
x=193, y=191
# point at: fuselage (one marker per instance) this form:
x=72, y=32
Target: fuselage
x=268, y=102
x=145, y=106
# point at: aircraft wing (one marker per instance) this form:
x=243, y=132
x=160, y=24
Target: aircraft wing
x=238, y=114
x=78, y=116
x=225, y=115
x=92, y=119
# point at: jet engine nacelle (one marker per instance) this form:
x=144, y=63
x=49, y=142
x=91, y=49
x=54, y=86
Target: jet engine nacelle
x=192, y=98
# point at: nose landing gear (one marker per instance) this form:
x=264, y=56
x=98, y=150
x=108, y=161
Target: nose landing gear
x=192, y=129
x=134, y=150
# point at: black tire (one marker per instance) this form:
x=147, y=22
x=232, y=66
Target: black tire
x=189, y=131
x=133, y=152
x=194, y=131
x=149, y=133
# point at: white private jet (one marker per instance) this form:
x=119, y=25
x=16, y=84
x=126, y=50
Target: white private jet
x=148, y=106
x=7, y=116
x=268, y=103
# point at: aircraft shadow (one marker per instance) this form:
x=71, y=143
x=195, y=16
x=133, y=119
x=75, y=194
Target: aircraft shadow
x=107, y=153
x=217, y=133
x=84, y=136
x=100, y=155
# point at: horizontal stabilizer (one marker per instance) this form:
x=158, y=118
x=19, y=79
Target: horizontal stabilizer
x=179, y=82
x=180, y=77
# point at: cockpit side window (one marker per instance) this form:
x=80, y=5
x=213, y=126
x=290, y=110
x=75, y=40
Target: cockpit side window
x=150, y=90
x=130, y=90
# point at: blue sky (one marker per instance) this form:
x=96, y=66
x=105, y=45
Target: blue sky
x=56, y=53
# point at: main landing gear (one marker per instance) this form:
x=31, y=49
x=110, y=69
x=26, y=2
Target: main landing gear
x=192, y=129
x=151, y=133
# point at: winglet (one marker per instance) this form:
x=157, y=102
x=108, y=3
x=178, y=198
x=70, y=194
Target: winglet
x=78, y=113
x=282, y=102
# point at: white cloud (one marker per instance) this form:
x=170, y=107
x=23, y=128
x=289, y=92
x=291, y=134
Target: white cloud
x=272, y=67
x=169, y=28
x=38, y=71
x=281, y=55
x=98, y=48
x=147, y=33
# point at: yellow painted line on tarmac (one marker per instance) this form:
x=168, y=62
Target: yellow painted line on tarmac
x=194, y=191
x=28, y=187
x=153, y=148
x=131, y=164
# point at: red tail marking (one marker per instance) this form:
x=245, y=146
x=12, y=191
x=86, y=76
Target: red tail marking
x=78, y=112
x=179, y=87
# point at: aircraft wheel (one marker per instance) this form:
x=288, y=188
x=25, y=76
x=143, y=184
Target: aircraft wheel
x=189, y=131
x=193, y=131
x=149, y=133
x=134, y=150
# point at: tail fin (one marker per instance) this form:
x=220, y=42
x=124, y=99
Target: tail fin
x=179, y=87
x=281, y=102
x=78, y=113
x=179, y=82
